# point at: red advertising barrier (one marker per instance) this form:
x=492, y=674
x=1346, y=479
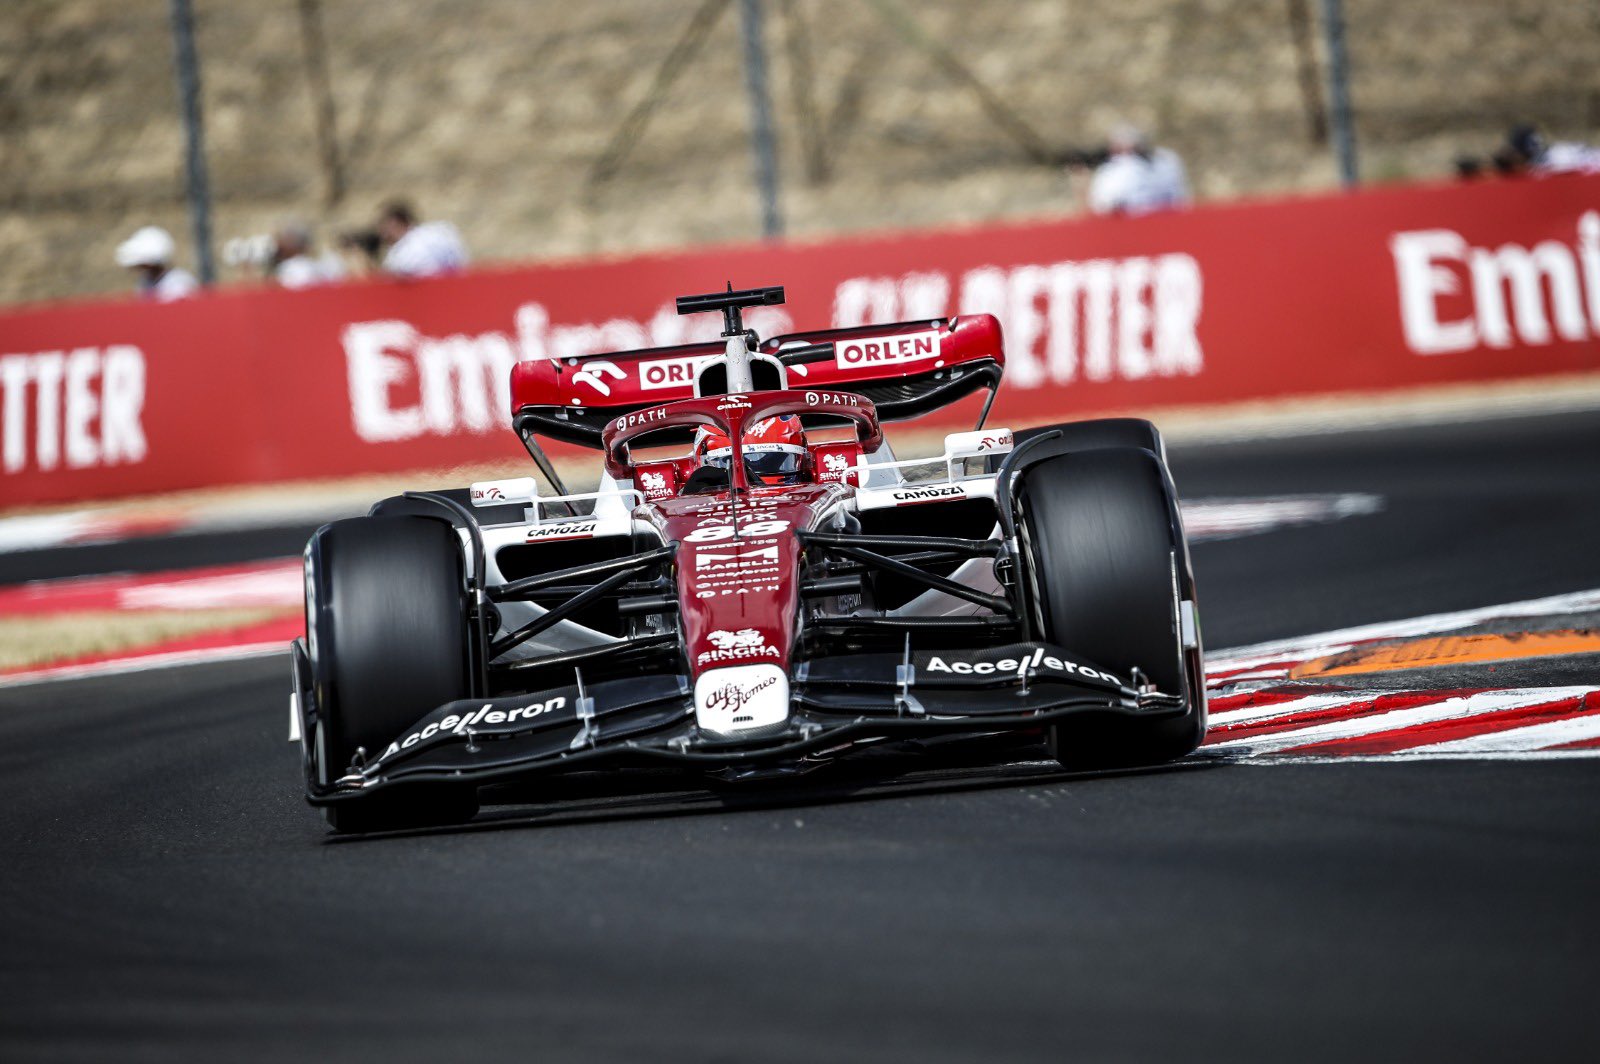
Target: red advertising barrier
x=1376, y=290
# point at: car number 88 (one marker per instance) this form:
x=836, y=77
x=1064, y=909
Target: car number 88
x=753, y=530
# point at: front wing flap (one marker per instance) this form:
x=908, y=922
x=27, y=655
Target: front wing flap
x=835, y=702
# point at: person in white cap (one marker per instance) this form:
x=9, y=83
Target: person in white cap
x=1136, y=178
x=148, y=253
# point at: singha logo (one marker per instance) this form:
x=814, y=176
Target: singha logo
x=835, y=463
x=653, y=482
x=744, y=637
x=736, y=646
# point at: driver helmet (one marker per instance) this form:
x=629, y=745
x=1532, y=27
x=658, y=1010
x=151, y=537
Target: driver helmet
x=774, y=451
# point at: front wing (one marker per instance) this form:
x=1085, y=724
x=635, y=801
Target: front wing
x=837, y=703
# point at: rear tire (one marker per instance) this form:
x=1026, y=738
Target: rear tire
x=386, y=617
x=1099, y=533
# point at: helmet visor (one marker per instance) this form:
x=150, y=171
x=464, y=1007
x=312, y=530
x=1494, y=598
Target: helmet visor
x=782, y=465
x=772, y=463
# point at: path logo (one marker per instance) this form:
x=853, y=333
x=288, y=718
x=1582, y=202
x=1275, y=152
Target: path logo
x=639, y=417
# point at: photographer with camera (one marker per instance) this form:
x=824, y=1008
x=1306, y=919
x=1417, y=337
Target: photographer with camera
x=1527, y=151
x=286, y=256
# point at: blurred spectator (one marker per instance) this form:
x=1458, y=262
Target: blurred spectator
x=362, y=251
x=1136, y=178
x=293, y=263
x=1526, y=150
x=148, y=253
x=1508, y=162
x=419, y=249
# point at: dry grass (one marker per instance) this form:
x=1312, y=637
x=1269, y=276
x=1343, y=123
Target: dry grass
x=26, y=641
x=493, y=112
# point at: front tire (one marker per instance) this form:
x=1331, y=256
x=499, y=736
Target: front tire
x=387, y=627
x=1109, y=568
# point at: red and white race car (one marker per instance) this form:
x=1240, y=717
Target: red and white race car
x=756, y=586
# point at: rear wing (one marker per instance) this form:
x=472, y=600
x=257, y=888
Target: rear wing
x=905, y=370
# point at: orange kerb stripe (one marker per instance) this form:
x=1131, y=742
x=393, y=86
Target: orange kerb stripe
x=1452, y=650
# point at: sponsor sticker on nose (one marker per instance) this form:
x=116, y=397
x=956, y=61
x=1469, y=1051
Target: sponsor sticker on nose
x=741, y=698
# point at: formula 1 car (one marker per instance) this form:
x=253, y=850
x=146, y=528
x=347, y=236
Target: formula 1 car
x=755, y=609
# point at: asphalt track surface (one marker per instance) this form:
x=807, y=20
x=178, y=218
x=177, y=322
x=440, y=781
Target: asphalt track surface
x=167, y=894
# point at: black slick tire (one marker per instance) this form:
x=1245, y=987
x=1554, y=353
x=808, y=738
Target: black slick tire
x=1106, y=562
x=386, y=617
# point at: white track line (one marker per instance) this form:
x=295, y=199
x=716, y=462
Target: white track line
x=279, y=583
x=1284, y=709
x=1230, y=518
x=35, y=531
x=1528, y=737
x=1447, y=709
x=1279, y=760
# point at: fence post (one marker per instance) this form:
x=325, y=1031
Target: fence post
x=762, y=140
x=1344, y=134
x=199, y=193
x=324, y=114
